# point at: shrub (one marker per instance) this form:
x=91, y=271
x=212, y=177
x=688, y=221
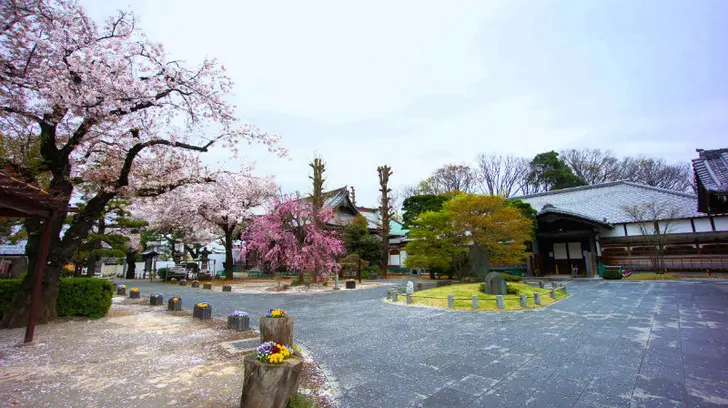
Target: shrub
x=8, y=288
x=298, y=400
x=512, y=278
x=512, y=290
x=90, y=297
x=481, y=287
x=612, y=274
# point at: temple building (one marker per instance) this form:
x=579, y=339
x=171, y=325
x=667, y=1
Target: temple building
x=711, y=177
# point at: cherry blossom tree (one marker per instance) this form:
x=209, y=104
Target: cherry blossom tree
x=294, y=236
x=113, y=115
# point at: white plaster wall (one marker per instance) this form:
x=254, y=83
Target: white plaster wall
x=676, y=226
x=702, y=224
x=617, y=231
x=721, y=223
x=394, y=260
x=633, y=229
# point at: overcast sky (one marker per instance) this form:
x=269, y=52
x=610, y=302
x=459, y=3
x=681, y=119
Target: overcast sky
x=418, y=84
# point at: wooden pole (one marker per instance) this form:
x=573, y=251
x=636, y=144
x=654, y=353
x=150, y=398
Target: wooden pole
x=40, y=266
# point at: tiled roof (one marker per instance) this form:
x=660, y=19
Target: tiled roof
x=12, y=186
x=605, y=202
x=711, y=169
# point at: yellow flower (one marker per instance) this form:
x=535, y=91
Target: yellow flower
x=135, y=289
x=175, y=299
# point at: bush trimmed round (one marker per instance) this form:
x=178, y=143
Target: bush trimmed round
x=612, y=274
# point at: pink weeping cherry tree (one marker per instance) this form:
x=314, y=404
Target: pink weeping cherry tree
x=295, y=237
x=111, y=115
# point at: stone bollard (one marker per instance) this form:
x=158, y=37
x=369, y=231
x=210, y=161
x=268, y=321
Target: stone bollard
x=540, y=284
x=564, y=290
x=524, y=301
x=450, y=301
x=553, y=293
x=499, y=302
x=537, y=298
x=475, y=301
x=336, y=282
x=394, y=295
x=389, y=294
x=409, y=298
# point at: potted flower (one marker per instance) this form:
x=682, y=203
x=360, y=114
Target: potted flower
x=174, y=303
x=202, y=310
x=207, y=286
x=350, y=284
x=227, y=288
x=134, y=293
x=121, y=290
x=271, y=376
x=156, y=299
x=276, y=326
x=182, y=282
x=238, y=321
x=195, y=284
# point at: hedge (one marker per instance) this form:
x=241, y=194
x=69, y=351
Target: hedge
x=612, y=274
x=512, y=278
x=90, y=297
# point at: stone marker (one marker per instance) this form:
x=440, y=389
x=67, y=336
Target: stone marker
x=495, y=284
x=541, y=285
x=269, y=385
x=389, y=294
x=409, y=298
x=553, y=293
x=524, y=301
x=394, y=295
x=475, y=301
x=410, y=287
x=336, y=282
x=499, y=302
x=537, y=298
x=450, y=301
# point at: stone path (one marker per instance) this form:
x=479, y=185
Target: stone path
x=611, y=344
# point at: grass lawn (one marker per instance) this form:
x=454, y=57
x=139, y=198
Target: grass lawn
x=437, y=297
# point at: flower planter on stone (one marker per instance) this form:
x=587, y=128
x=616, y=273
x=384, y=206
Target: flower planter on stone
x=351, y=284
x=277, y=329
x=134, y=293
x=195, y=284
x=202, y=310
x=267, y=385
x=207, y=286
x=174, y=304
x=227, y=288
x=182, y=282
x=121, y=290
x=156, y=299
x=238, y=321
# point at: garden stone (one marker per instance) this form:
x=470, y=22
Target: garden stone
x=410, y=287
x=524, y=301
x=537, y=298
x=269, y=385
x=495, y=284
x=475, y=301
x=450, y=301
x=409, y=298
x=499, y=302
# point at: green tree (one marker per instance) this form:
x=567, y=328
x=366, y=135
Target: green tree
x=527, y=211
x=358, y=241
x=435, y=243
x=549, y=172
x=415, y=205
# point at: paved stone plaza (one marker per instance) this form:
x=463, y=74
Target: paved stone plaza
x=611, y=344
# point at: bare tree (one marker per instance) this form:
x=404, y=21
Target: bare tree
x=386, y=212
x=455, y=177
x=657, y=173
x=594, y=166
x=502, y=175
x=655, y=220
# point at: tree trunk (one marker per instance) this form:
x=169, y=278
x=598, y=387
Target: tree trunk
x=228, y=253
x=269, y=385
x=131, y=265
x=277, y=329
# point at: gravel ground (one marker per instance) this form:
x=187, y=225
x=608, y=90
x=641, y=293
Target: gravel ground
x=137, y=356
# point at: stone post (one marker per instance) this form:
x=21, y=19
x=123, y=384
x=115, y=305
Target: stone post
x=409, y=298
x=389, y=294
x=553, y=293
x=564, y=290
x=475, y=301
x=394, y=295
x=537, y=298
x=450, y=301
x=540, y=284
x=499, y=302
x=336, y=282
x=524, y=301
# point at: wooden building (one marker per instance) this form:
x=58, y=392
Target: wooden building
x=711, y=179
